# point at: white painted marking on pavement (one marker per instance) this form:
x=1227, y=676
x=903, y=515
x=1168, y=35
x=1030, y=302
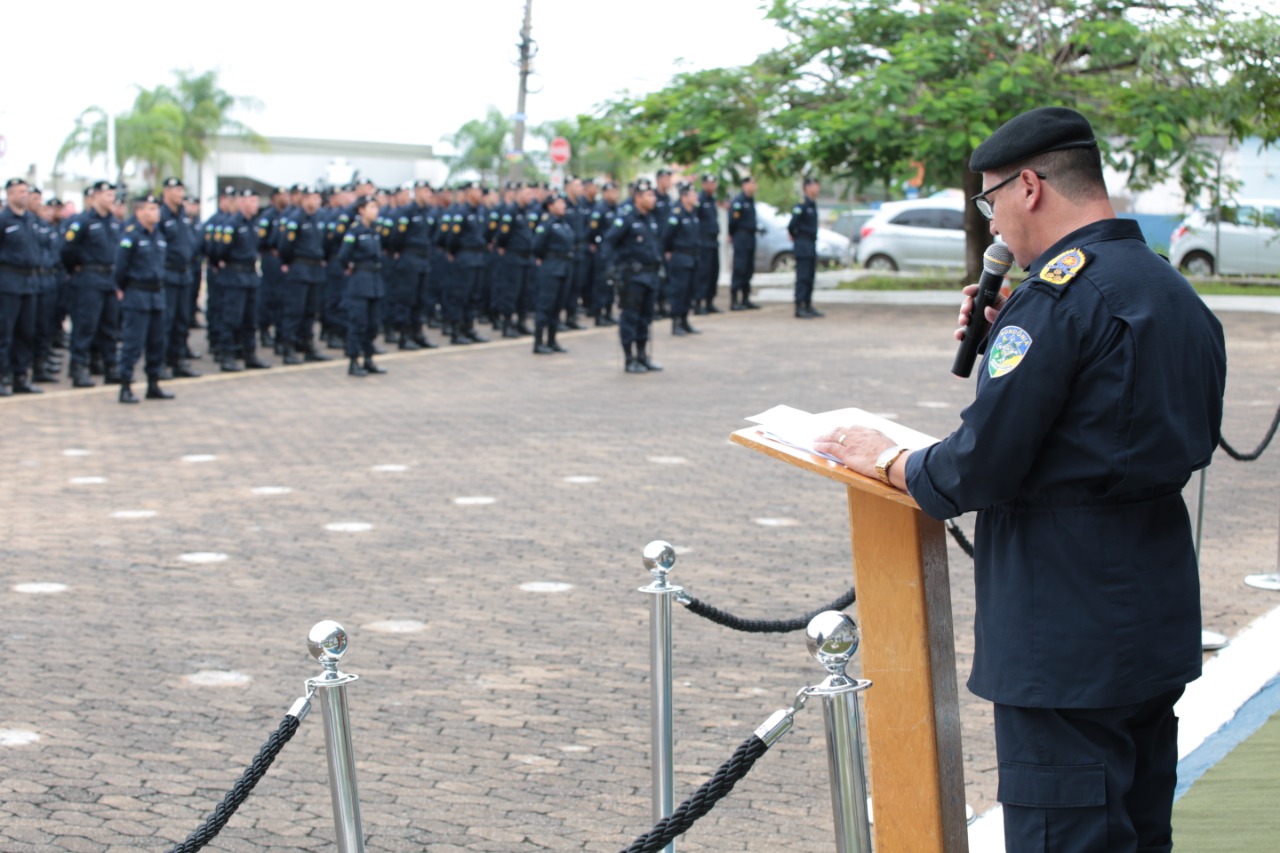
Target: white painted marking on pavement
x=202, y=557
x=668, y=460
x=349, y=526
x=777, y=522
x=17, y=737
x=933, y=404
x=390, y=468
x=271, y=490
x=88, y=481
x=134, y=513
x=397, y=626
x=475, y=501
x=76, y=451
x=682, y=549
x=199, y=457
x=581, y=479
x=40, y=588
x=218, y=678
x=546, y=586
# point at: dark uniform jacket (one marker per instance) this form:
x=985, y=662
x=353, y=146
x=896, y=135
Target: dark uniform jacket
x=681, y=237
x=468, y=239
x=180, y=236
x=20, y=254
x=301, y=245
x=361, y=255
x=238, y=251
x=635, y=244
x=708, y=219
x=803, y=228
x=553, y=243
x=413, y=235
x=140, y=264
x=742, y=221
x=1099, y=394
x=90, y=243
x=516, y=231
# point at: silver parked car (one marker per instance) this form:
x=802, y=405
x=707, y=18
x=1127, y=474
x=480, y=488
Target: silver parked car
x=1242, y=239
x=775, y=250
x=926, y=233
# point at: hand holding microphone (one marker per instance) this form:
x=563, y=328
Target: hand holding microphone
x=986, y=294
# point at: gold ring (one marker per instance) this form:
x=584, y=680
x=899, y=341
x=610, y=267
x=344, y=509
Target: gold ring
x=841, y=439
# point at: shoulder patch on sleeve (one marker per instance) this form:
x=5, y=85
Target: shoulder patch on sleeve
x=1063, y=268
x=1008, y=350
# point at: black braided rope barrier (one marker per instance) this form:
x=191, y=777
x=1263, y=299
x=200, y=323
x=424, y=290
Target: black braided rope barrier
x=763, y=626
x=239, y=792
x=703, y=800
x=1250, y=457
x=958, y=535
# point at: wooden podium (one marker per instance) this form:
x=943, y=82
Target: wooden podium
x=904, y=612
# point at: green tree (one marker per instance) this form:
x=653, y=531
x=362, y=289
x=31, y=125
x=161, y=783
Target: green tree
x=480, y=145
x=588, y=156
x=207, y=113
x=150, y=134
x=866, y=89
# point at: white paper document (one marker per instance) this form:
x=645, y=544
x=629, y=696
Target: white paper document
x=798, y=429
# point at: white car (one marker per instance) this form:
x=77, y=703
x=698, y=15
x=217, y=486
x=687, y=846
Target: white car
x=1244, y=240
x=775, y=250
x=926, y=233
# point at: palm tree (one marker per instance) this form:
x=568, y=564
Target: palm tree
x=480, y=145
x=206, y=109
x=150, y=134
x=89, y=137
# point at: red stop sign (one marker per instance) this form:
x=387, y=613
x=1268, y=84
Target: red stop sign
x=560, y=150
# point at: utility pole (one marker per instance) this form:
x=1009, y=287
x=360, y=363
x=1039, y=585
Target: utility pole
x=516, y=171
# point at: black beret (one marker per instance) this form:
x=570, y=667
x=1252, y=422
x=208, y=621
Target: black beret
x=1034, y=132
x=810, y=179
x=555, y=197
x=305, y=189
x=588, y=182
x=172, y=182
x=54, y=202
x=35, y=190
x=362, y=200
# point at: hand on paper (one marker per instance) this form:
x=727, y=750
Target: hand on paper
x=859, y=449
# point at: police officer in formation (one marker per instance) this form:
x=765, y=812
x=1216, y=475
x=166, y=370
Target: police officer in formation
x=270, y=307
x=467, y=244
x=803, y=229
x=139, y=276
x=410, y=234
x=554, y=244
x=88, y=254
x=681, y=242
x=635, y=243
x=236, y=256
x=360, y=259
x=708, y=275
x=183, y=246
x=301, y=244
x=50, y=274
x=517, y=222
x=603, y=213
x=742, y=231
x=20, y=258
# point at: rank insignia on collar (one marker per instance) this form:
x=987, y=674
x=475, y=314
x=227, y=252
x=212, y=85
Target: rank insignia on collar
x=1007, y=352
x=1063, y=268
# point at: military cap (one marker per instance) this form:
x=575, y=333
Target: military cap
x=34, y=190
x=280, y=191
x=684, y=187
x=362, y=200
x=642, y=185
x=608, y=185
x=1034, y=132
x=745, y=179
x=349, y=187
x=247, y=192
x=707, y=176
x=466, y=185
x=147, y=198
x=586, y=181
x=97, y=186
x=422, y=184
x=54, y=202
x=173, y=182
x=296, y=188
x=87, y=190
x=810, y=179
x=664, y=172
x=557, y=196
x=304, y=189
x=230, y=191
x=14, y=182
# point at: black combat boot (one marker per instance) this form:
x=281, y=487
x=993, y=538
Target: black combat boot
x=676, y=328
x=111, y=374
x=80, y=377
x=551, y=341
x=540, y=348
x=684, y=321
x=522, y=325
x=813, y=312
x=155, y=392
x=22, y=385
x=476, y=337
x=371, y=367
x=354, y=369
x=633, y=364
x=126, y=393
x=643, y=357
x=291, y=356
x=6, y=386
x=408, y=341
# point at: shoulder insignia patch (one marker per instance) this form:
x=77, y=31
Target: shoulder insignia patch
x=1063, y=268
x=126, y=243
x=1008, y=350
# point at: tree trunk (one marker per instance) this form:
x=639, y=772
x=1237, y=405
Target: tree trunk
x=977, y=230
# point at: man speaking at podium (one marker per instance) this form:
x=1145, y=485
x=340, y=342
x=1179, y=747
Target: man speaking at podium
x=1100, y=392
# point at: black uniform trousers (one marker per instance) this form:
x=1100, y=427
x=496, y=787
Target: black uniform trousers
x=550, y=293
x=806, y=268
x=744, y=266
x=333, y=311
x=708, y=273
x=301, y=304
x=514, y=284
x=601, y=290
x=682, y=275
x=95, y=322
x=637, y=303
x=237, y=316
x=462, y=293
x=17, y=332
x=362, y=324
x=1088, y=780
x=406, y=295
x=46, y=320
x=177, y=305
x=143, y=328
x=271, y=294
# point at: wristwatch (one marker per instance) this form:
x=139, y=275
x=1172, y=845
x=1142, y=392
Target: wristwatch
x=885, y=461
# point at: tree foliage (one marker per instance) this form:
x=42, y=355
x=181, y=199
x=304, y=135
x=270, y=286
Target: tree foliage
x=480, y=145
x=867, y=90
x=164, y=125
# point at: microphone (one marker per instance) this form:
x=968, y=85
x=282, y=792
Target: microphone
x=995, y=265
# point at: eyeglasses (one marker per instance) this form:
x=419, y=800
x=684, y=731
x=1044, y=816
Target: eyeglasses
x=987, y=207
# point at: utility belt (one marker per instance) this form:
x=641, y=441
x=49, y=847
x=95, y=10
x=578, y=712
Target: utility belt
x=172, y=267
x=634, y=267
x=103, y=269
x=46, y=271
x=519, y=253
x=26, y=272
x=693, y=253
x=421, y=253
x=367, y=266
x=561, y=256
x=148, y=285
x=464, y=250
x=309, y=262
x=238, y=266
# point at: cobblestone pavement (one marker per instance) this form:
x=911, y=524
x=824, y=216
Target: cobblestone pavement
x=513, y=720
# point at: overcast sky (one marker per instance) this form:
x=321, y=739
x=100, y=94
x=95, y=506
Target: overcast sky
x=384, y=70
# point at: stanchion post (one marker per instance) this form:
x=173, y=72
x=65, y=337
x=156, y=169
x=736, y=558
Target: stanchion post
x=659, y=558
x=327, y=642
x=832, y=639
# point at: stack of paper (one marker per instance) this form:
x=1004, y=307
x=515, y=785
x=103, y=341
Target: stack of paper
x=798, y=429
